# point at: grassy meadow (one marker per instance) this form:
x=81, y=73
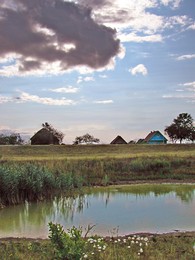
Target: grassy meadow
x=61, y=152
x=176, y=246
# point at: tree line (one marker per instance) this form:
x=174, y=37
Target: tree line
x=181, y=129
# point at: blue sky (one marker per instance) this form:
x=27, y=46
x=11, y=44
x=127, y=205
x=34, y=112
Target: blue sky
x=104, y=67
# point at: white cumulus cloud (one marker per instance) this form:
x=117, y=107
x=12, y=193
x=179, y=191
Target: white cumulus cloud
x=84, y=79
x=139, y=69
x=173, y=3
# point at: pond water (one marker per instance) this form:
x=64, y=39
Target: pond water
x=115, y=210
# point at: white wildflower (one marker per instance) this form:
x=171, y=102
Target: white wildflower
x=85, y=256
x=129, y=247
x=141, y=250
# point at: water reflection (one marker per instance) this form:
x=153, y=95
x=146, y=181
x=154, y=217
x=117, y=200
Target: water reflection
x=133, y=208
x=184, y=192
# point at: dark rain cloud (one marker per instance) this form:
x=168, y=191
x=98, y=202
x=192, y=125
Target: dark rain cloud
x=70, y=23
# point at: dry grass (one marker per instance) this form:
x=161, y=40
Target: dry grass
x=59, y=152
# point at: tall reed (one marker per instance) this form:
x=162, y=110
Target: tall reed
x=36, y=180
x=31, y=182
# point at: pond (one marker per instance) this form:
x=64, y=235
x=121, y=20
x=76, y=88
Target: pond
x=114, y=210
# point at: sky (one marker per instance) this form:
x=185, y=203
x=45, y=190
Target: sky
x=103, y=67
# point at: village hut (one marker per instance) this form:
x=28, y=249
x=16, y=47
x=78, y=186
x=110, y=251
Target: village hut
x=140, y=141
x=44, y=137
x=155, y=137
x=118, y=140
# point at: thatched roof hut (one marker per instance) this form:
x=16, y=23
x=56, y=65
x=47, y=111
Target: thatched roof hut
x=118, y=140
x=44, y=137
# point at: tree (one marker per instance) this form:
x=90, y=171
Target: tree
x=192, y=136
x=86, y=139
x=182, y=128
x=12, y=139
x=59, y=135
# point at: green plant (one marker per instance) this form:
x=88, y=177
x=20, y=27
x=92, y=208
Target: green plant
x=150, y=165
x=105, y=180
x=67, y=245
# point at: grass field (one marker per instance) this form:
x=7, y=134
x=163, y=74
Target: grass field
x=57, y=152
x=176, y=246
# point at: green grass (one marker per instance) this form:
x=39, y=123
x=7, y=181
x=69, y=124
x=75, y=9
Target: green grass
x=146, y=247
x=57, y=152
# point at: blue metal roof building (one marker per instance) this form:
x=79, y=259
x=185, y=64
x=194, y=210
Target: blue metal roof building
x=155, y=137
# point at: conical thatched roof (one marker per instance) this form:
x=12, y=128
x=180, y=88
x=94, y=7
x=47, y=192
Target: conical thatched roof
x=118, y=140
x=44, y=136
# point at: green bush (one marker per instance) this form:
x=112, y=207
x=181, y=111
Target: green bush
x=67, y=245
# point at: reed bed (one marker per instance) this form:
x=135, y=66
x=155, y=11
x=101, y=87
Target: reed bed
x=43, y=179
x=32, y=182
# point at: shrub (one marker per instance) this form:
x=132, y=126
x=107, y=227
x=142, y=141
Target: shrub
x=68, y=245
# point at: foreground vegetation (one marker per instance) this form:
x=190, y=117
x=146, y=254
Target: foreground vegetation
x=40, y=172
x=72, y=246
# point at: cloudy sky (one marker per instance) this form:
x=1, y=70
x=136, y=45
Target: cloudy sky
x=104, y=67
